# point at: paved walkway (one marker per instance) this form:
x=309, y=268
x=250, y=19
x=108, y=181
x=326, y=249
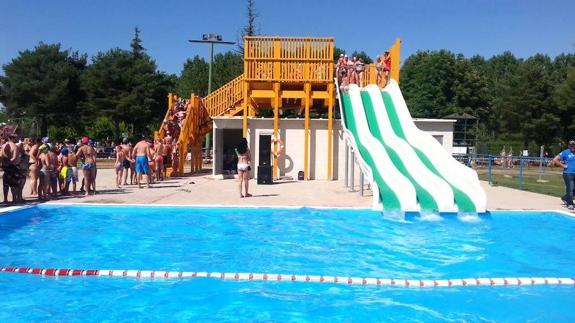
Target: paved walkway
x=203, y=190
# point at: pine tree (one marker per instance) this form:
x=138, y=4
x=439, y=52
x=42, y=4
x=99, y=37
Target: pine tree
x=250, y=28
x=137, y=49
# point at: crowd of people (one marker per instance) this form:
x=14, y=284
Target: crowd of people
x=53, y=168
x=176, y=116
x=352, y=70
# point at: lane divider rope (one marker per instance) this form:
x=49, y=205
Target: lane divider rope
x=516, y=281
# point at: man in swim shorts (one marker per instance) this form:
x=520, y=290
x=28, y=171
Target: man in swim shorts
x=142, y=153
x=44, y=173
x=72, y=165
x=127, y=150
x=10, y=161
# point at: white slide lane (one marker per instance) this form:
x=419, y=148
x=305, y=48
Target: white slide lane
x=440, y=190
x=457, y=174
x=398, y=183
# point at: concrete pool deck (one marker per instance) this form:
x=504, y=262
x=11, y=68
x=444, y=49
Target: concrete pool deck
x=202, y=189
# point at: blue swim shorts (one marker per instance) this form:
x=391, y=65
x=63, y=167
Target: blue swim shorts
x=141, y=164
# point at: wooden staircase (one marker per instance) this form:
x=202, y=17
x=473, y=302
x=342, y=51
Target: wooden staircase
x=225, y=101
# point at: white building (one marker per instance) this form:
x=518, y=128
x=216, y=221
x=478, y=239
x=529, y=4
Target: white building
x=227, y=132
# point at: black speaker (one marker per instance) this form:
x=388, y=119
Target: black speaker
x=265, y=150
x=264, y=174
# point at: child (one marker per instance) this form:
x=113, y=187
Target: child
x=119, y=165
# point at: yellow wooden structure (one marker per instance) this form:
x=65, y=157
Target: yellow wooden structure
x=279, y=73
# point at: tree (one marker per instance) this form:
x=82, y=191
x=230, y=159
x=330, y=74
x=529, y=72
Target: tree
x=564, y=97
x=125, y=88
x=428, y=83
x=43, y=83
x=250, y=28
x=363, y=55
x=137, y=49
x=337, y=52
x=226, y=67
x=101, y=129
x=193, y=78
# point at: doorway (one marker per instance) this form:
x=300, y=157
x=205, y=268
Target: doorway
x=231, y=140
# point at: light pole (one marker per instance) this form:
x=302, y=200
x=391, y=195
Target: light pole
x=211, y=39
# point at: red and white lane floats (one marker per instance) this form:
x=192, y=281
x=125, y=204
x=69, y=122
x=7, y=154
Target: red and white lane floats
x=466, y=282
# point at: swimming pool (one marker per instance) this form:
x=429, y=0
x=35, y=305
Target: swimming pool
x=300, y=241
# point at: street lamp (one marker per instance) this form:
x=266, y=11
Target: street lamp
x=211, y=39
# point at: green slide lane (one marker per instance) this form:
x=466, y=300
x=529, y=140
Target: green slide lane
x=463, y=201
x=387, y=196
x=425, y=199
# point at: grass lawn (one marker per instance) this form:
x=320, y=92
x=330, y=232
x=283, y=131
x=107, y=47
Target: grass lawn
x=553, y=181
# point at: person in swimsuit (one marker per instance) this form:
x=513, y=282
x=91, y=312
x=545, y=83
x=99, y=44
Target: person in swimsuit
x=244, y=168
x=72, y=165
x=53, y=170
x=24, y=166
x=378, y=71
x=386, y=66
x=359, y=71
x=159, y=158
x=10, y=156
x=151, y=162
x=119, y=165
x=142, y=153
x=127, y=151
x=167, y=153
x=340, y=67
x=44, y=173
x=34, y=166
x=351, y=70
x=65, y=171
x=87, y=156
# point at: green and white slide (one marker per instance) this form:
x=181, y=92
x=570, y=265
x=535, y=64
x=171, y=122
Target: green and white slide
x=408, y=169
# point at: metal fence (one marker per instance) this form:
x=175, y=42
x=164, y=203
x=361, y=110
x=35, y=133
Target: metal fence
x=536, y=174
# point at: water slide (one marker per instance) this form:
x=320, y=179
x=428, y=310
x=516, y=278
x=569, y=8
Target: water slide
x=408, y=169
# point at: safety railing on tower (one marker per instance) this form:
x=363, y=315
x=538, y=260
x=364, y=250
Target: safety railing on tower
x=226, y=97
x=281, y=59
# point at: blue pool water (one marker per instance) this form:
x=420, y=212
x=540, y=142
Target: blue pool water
x=291, y=241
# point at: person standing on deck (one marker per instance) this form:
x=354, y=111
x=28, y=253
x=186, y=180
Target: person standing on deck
x=87, y=156
x=126, y=163
x=34, y=166
x=43, y=173
x=73, y=166
x=142, y=153
x=119, y=165
x=566, y=159
x=244, y=168
x=159, y=159
x=10, y=160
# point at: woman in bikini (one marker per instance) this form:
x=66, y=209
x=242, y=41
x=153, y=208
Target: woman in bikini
x=34, y=166
x=244, y=168
x=87, y=156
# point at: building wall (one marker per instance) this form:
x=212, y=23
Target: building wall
x=291, y=132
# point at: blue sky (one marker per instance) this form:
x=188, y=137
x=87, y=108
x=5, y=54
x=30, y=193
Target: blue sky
x=484, y=27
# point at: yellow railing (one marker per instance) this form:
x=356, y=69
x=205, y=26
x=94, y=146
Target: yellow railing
x=283, y=59
x=224, y=98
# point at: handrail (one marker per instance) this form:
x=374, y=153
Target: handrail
x=221, y=100
x=288, y=59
